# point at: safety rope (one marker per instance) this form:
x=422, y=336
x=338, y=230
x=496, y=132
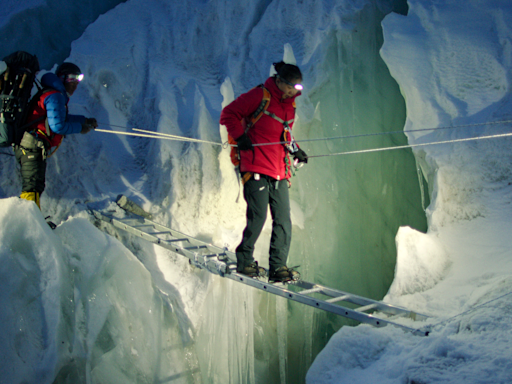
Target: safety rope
x=390, y=132
x=413, y=145
x=468, y=311
x=179, y=138
x=159, y=135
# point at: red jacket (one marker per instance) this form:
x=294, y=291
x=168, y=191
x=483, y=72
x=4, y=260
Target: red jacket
x=268, y=159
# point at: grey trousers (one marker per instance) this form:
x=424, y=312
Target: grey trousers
x=259, y=194
x=31, y=155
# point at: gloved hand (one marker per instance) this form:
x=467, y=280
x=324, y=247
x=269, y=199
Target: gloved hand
x=92, y=121
x=301, y=156
x=244, y=143
x=88, y=125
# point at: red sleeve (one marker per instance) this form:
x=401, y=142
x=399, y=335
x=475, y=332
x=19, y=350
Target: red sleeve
x=243, y=106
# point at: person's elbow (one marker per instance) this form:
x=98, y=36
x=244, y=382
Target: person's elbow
x=65, y=127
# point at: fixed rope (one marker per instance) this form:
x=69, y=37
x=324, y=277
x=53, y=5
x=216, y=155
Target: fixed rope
x=165, y=136
x=415, y=145
x=393, y=132
x=432, y=326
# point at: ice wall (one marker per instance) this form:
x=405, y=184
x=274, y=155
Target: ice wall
x=454, y=76
x=78, y=307
x=453, y=64
x=46, y=28
x=171, y=66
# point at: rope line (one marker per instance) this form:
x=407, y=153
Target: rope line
x=469, y=310
x=414, y=145
x=408, y=131
x=325, y=138
x=127, y=133
x=179, y=138
x=159, y=135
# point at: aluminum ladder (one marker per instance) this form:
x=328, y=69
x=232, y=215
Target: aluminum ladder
x=222, y=262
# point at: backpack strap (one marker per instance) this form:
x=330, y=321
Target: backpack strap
x=31, y=105
x=251, y=120
x=262, y=108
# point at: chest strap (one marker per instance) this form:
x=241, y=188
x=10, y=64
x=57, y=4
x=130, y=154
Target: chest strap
x=273, y=115
x=291, y=145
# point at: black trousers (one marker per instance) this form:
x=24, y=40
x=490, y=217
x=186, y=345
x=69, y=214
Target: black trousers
x=259, y=195
x=33, y=168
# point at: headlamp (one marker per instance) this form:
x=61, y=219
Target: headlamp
x=77, y=78
x=298, y=87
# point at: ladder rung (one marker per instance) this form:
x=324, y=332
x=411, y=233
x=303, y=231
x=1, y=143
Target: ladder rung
x=367, y=307
x=398, y=316
x=339, y=298
x=312, y=290
x=141, y=225
x=196, y=247
x=174, y=240
x=126, y=219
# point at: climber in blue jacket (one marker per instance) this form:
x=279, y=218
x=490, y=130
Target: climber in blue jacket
x=47, y=123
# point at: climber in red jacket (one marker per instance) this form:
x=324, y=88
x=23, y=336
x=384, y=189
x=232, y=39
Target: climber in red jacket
x=266, y=169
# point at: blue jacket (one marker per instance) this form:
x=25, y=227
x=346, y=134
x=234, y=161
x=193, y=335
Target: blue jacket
x=56, y=108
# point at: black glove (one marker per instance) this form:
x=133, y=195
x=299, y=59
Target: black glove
x=244, y=143
x=88, y=125
x=301, y=156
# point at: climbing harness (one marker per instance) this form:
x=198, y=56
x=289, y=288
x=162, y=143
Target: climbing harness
x=289, y=141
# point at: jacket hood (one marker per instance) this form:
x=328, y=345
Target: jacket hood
x=274, y=90
x=51, y=80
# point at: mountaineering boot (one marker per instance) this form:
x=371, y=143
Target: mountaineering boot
x=283, y=274
x=252, y=270
x=51, y=224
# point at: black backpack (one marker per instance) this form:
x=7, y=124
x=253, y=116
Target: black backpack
x=16, y=84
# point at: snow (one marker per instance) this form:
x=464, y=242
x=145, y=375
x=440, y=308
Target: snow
x=83, y=306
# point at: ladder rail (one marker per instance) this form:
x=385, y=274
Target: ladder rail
x=214, y=266
x=212, y=261
x=338, y=295
x=320, y=304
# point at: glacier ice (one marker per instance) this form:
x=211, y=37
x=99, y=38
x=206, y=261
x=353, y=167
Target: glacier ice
x=170, y=67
